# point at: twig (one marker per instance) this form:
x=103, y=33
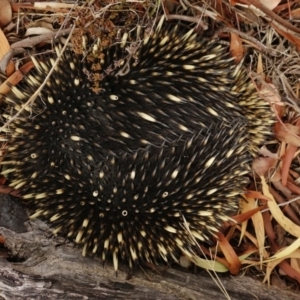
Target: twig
x=32, y=41
x=271, y=14
x=247, y=37
x=7, y=57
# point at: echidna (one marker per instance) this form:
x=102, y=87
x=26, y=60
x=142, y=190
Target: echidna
x=135, y=206
x=167, y=138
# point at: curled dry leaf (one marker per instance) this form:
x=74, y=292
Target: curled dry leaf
x=286, y=208
x=278, y=215
x=264, y=151
x=4, y=48
x=5, y=13
x=292, y=251
x=287, y=251
x=287, y=133
x=284, y=266
x=268, y=167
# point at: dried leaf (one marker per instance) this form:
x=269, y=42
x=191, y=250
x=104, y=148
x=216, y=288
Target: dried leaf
x=230, y=255
x=296, y=13
x=266, y=166
x=278, y=215
x=258, y=224
x=4, y=48
x=295, y=263
x=37, y=31
x=270, y=4
x=283, y=266
x=291, y=250
x=4, y=45
x=236, y=47
x=5, y=13
x=287, y=133
x=15, y=78
x=260, y=68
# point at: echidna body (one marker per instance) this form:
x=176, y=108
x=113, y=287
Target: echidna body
x=158, y=112
x=141, y=207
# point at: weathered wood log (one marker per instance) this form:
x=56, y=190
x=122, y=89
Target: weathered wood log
x=52, y=268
